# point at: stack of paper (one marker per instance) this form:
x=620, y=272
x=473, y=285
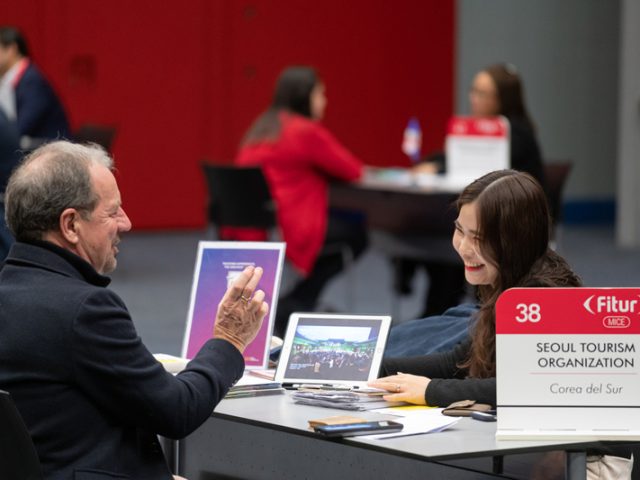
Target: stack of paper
x=364, y=399
x=251, y=386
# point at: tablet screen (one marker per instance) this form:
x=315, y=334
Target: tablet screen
x=335, y=349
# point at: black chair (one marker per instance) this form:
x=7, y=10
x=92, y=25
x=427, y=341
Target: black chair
x=103, y=135
x=18, y=456
x=238, y=197
x=556, y=175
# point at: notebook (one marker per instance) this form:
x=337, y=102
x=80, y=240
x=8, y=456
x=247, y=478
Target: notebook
x=334, y=350
x=217, y=266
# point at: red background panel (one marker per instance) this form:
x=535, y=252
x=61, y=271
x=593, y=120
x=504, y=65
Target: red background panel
x=183, y=80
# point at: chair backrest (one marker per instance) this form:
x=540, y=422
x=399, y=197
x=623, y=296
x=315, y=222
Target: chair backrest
x=556, y=175
x=238, y=197
x=101, y=134
x=18, y=456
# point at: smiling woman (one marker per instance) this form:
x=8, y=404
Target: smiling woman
x=477, y=270
x=502, y=235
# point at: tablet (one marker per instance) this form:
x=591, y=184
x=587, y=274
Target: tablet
x=333, y=349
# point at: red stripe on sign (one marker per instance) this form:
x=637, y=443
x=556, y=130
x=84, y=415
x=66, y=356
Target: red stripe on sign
x=614, y=311
x=478, y=127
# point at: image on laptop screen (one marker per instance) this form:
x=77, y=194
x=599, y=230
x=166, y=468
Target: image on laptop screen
x=333, y=348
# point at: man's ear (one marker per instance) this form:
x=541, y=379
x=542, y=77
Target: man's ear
x=69, y=225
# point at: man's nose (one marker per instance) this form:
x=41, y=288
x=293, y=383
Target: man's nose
x=124, y=224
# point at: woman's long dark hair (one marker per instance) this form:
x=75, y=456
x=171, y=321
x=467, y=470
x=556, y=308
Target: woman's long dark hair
x=513, y=227
x=292, y=94
x=510, y=93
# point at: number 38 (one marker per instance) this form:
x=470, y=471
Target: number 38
x=528, y=312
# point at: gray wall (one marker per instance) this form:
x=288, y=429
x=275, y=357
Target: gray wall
x=567, y=53
x=628, y=221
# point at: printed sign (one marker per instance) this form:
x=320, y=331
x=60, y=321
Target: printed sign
x=217, y=266
x=568, y=363
x=476, y=146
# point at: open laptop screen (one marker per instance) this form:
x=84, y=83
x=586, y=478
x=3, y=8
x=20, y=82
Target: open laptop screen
x=333, y=349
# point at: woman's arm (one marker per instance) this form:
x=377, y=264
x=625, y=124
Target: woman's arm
x=409, y=379
x=442, y=392
x=435, y=365
x=330, y=156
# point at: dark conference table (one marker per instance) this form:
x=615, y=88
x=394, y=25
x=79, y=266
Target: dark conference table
x=268, y=437
x=408, y=216
x=397, y=202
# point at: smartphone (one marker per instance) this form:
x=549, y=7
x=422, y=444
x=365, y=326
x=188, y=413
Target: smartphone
x=354, y=429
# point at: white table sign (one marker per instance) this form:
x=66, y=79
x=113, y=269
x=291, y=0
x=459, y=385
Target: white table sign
x=476, y=146
x=568, y=363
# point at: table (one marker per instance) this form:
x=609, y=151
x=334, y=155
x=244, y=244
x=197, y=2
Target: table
x=267, y=437
x=408, y=217
x=397, y=202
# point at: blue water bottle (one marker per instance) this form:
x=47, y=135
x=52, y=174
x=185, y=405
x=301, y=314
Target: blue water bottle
x=412, y=140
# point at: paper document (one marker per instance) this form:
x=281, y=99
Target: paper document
x=252, y=386
x=171, y=363
x=416, y=422
x=250, y=379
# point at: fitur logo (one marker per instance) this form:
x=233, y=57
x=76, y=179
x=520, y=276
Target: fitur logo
x=611, y=304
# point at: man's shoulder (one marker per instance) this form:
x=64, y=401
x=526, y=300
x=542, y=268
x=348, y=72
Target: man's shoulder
x=51, y=264
x=32, y=72
x=32, y=78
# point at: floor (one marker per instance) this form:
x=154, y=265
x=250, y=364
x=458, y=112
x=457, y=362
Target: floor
x=155, y=272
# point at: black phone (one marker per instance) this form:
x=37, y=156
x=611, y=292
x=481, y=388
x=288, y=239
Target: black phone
x=354, y=429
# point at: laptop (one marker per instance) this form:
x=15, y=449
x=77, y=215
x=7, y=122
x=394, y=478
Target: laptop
x=334, y=350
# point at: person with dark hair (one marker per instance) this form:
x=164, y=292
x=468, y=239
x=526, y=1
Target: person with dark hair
x=9, y=158
x=25, y=94
x=495, y=90
x=501, y=248
x=92, y=396
x=498, y=90
x=299, y=158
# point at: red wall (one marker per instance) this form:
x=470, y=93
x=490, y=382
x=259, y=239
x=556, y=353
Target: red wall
x=183, y=80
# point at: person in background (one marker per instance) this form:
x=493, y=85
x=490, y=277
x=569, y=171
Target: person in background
x=92, y=396
x=495, y=90
x=299, y=158
x=25, y=94
x=9, y=157
x=498, y=90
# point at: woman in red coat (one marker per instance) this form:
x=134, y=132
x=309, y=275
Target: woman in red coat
x=299, y=158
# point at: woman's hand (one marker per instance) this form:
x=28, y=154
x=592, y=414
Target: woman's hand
x=403, y=388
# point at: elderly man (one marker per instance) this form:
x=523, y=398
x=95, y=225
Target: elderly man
x=91, y=394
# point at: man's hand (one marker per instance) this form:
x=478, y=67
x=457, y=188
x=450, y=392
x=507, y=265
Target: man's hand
x=240, y=312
